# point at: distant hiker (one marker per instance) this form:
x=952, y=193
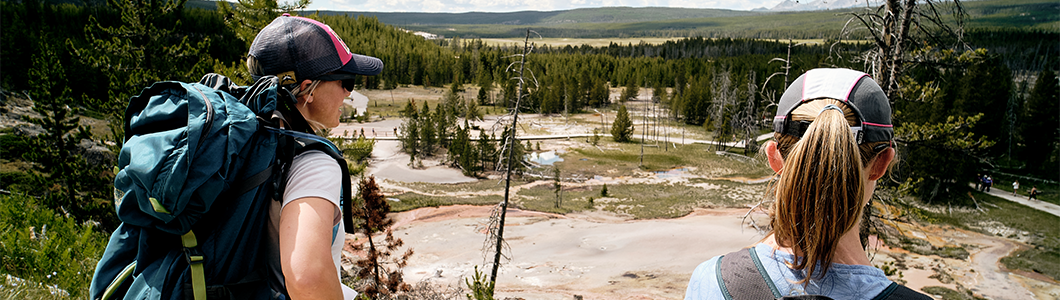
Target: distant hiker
x=987, y=183
x=978, y=181
x=1015, y=186
x=827, y=119
x=231, y=195
x=1033, y=193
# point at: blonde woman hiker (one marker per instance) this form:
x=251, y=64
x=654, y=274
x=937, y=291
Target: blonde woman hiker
x=833, y=140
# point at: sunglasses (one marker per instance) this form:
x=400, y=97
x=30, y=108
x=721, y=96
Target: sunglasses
x=347, y=82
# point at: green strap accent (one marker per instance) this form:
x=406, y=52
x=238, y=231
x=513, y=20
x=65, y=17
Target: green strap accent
x=721, y=282
x=198, y=276
x=762, y=270
x=158, y=206
x=113, y=287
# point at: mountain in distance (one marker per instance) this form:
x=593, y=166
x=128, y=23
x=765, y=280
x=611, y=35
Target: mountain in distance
x=805, y=5
x=572, y=16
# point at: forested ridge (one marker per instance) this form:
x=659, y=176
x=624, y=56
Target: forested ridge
x=988, y=102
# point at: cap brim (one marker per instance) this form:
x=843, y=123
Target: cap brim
x=362, y=65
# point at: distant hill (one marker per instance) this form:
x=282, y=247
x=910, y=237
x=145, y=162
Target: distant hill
x=789, y=5
x=803, y=19
x=574, y=16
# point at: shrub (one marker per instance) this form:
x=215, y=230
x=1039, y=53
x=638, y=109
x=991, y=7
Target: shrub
x=43, y=246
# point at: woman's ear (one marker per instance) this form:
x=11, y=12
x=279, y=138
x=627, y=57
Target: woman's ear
x=305, y=85
x=880, y=163
x=776, y=162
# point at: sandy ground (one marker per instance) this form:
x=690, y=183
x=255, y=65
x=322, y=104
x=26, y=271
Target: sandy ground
x=596, y=255
x=599, y=255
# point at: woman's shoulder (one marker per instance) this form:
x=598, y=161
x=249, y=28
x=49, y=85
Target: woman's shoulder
x=704, y=281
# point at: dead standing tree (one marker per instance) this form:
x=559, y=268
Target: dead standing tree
x=721, y=109
x=496, y=226
x=898, y=27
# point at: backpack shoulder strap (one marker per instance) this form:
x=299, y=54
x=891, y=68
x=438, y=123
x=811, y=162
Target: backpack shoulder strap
x=302, y=142
x=742, y=277
x=897, y=291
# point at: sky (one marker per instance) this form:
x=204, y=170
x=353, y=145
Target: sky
x=457, y=6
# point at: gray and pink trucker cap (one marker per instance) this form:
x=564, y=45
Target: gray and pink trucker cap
x=309, y=49
x=854, y=88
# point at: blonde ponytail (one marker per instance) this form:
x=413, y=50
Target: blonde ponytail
x=820, y=193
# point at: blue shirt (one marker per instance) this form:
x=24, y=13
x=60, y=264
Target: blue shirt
x=841, y=282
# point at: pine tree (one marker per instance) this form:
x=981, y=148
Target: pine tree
x=409, y=131
x=146, y=47
x=1040, y=133
x=427, y=128
x=75, y=188
x=622, y=128
x=373, y=218
x=247, y=17
x=444, y=119
x=483, y=97
x=518, y=153
x=598, y=94
x=486, y=151
x=461, y=152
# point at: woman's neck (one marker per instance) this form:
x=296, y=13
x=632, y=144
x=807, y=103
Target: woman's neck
x=848, y=252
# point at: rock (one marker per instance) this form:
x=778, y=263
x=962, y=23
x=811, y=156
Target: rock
x=95, y=154
x=28, y=129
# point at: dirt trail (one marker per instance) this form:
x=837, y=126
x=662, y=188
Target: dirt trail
x=982, y=273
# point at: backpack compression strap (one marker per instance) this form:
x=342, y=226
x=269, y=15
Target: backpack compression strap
x=194, y=256
x=742, y=277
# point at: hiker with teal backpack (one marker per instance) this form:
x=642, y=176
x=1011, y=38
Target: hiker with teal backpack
x=225, y=192
x=832, y=141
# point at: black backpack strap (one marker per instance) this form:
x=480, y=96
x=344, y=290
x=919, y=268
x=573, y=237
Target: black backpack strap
x=246, y=184
x=742, y=277
x=300, y=143
x=896, y=291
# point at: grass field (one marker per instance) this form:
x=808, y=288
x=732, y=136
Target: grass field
x=641, y=191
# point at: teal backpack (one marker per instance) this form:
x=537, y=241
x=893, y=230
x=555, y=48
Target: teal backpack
x=196, y=176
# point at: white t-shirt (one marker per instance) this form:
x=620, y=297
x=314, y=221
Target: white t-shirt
x=312, y=174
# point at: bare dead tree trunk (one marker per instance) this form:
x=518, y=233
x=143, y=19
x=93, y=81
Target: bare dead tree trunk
x=511, y=158
x=890, y=26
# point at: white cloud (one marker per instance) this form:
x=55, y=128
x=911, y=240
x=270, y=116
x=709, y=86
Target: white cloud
x=521, y=5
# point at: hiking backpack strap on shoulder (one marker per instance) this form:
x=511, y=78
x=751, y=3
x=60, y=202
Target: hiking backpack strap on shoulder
x=897, y=291
x=742, y=277
x=297, y=143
